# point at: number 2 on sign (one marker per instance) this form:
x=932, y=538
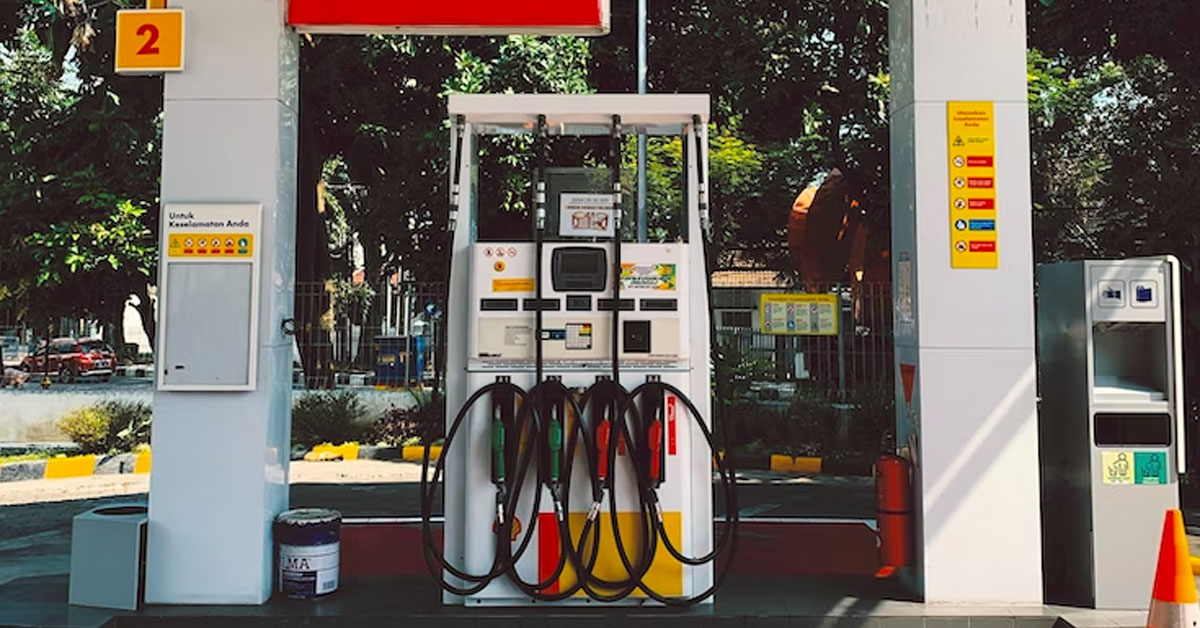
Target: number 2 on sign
x=149, y=48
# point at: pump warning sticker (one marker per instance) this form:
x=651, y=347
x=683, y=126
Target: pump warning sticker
x=191, y=244
x=512, y=285
x=648, y=276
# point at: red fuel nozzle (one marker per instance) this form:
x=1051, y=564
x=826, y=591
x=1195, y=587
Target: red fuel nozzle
x=655, y=438
x=603, y=432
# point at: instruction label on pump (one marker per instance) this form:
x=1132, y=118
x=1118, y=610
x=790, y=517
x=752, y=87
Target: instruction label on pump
x=1117, y=466
x=1150, y=467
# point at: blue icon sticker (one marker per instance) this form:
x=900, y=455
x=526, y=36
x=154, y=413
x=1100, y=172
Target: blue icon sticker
x=1145, y=294
x=983, y=225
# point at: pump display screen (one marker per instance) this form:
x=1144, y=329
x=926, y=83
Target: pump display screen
x=580, y=269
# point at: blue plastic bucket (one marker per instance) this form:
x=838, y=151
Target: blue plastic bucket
x=309, y=552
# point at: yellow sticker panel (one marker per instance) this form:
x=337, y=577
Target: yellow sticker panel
x=972, y=163
x=1117, y=467
x=512, y=285
x=209, y=245
x=665, y=575
x=799, y=314
x=149, y=40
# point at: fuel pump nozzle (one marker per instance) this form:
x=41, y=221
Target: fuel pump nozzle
x=498, y=467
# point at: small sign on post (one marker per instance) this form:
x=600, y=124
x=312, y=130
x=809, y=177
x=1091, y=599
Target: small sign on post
x=149, y=41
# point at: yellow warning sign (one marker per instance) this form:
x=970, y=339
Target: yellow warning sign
x=512, y=285
x=206, y=245
x=972, y=156
x=1117, y=467
x=799, y=314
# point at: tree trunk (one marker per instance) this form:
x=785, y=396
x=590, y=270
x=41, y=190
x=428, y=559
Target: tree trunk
x=312, y=300
x=146, y=312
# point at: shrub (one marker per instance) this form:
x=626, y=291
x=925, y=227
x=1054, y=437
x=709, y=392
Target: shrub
x=108, y=426
x=90, y=428
x=409, y=426
x=327, y=417
x=129, y=422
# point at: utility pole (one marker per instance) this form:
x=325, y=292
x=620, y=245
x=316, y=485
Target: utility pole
x=642, y=222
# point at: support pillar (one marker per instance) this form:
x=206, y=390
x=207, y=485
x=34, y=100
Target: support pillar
x=965, y=336
x=221, y=459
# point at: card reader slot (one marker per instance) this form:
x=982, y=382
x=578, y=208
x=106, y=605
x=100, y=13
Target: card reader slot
x=579, y=303
x=660, y=305
x=606, y=305
x=545, y=305
x=498, y=305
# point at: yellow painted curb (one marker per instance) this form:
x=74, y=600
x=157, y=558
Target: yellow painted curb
x=806, y=465
x=416, y=453
x=1195, y=565
x=73, y=467
x=781, y=462
x=329, y=451
x=142, y=465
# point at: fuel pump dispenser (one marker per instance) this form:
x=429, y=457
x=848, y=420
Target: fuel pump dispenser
x=579, y=456
x=1111, y=426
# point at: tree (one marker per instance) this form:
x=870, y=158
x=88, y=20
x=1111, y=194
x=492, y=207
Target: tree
x=79, y=168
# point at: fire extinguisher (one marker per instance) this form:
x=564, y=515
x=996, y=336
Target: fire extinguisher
x=893, y=513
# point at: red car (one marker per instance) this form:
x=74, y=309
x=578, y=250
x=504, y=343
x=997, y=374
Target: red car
x=73, y=358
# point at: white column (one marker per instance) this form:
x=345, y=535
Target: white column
x=969, y=333
x=221, y=459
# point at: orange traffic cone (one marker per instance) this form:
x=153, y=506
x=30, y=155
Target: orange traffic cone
x=1173, y=602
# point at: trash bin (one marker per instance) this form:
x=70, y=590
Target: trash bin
x=399, y=360
x=108, y=557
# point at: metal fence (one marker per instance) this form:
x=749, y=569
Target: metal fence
x=860, y=355
x=357, y=334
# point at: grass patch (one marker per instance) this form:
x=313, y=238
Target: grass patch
x=26, y=457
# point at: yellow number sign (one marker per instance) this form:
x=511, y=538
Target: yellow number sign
x=149, y=41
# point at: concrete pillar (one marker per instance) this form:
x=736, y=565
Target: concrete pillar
x=965, y=336
x=221, y=459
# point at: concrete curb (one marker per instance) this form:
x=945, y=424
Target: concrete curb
x=75, y=467
x=141, y=370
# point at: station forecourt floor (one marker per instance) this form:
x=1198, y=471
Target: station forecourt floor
x=35, y=520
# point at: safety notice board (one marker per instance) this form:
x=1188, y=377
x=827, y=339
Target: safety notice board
x=208, y=295
x=972, y=156
x=799, y=314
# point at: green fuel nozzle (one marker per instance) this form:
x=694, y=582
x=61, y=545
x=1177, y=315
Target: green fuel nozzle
x=554, y=436
x=498, y=450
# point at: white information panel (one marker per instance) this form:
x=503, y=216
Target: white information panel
x=586, y=215
x=208, y=319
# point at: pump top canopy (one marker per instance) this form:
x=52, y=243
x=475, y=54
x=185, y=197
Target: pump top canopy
x=580, y=114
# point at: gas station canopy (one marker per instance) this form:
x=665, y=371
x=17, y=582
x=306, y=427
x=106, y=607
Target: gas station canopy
x=476, y=17
x=591, y=114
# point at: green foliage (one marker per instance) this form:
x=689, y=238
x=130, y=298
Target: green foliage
x=89, y=428
x=79, y=164
x=410, y=426
x=108, y=427
x=328, y=417
x=130, y=423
